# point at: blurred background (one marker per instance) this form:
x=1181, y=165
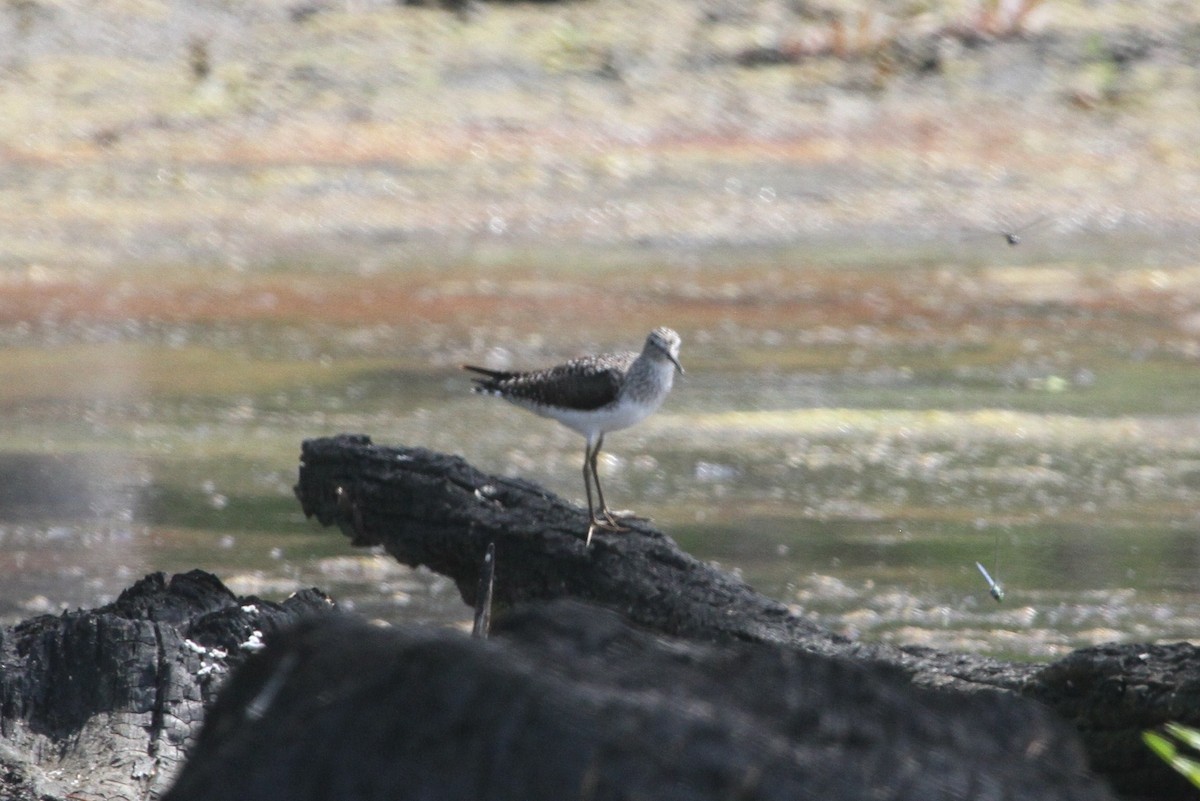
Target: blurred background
x=936, y=265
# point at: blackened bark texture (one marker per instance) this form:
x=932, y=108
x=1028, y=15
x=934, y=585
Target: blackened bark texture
x=1113, y=693
x=568, y=702
x=102, y=703
x=432, y=509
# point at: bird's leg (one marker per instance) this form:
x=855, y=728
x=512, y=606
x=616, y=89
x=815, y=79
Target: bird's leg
x=587, y=485
x=587, y=482
x=602, y=518
x=605, y=514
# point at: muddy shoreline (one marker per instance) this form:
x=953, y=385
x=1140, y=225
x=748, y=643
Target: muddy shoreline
x=386, y=134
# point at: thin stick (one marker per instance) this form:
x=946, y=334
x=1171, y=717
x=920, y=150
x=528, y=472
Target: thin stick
x=483, y=595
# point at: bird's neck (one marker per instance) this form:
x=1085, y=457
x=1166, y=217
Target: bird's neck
x=649, y=379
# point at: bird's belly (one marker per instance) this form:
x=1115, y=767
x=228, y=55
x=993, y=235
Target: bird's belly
x=607, y=418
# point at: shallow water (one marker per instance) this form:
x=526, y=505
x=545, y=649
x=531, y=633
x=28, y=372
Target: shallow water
x=850, y=437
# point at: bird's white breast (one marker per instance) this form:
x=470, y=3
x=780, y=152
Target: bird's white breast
x=613, y=417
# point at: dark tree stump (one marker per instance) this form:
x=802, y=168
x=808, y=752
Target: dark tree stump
x=431, y=509
x=103, y=703
x=753, y=702
x=1113, y=693
x=436, y=510
x=571, y=703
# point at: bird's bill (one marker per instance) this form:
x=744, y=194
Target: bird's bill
x=674, y=361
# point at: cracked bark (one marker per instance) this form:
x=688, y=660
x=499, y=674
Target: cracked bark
x=569, y=702
x=86, y=695
x=103, y=703
x=432, y=509
x=437, y=510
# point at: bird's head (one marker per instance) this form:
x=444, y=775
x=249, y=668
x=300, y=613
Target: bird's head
x=664, y=342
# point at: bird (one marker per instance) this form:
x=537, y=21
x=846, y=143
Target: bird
x=593, y=395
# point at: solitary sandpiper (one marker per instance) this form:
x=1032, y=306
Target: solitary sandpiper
x=594, y=395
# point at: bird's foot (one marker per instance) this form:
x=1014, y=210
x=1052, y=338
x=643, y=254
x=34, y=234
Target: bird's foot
x=604, y=522
x=624, y=515
x=612, y=521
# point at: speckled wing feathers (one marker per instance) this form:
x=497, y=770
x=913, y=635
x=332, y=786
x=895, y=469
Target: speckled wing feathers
x=591, y=382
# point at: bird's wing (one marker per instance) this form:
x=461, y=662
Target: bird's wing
x=584, y=384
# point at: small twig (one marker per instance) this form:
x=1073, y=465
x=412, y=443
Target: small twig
x=483, y=597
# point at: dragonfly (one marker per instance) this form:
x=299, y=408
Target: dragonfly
x=994, y=587
x=1012, y=235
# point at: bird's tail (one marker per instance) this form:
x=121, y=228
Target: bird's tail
x=490, y=380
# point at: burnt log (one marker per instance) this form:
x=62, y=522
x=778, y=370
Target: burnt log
x=432, y=509
x=570, y=702
x=104, y=703
x=1111, y=694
